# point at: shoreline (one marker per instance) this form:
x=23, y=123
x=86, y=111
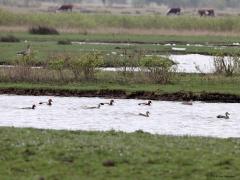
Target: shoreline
x=123, y=94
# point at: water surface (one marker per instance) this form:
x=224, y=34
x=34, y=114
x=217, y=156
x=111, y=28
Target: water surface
x=170, y=118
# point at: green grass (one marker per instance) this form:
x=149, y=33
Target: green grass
x=189, y=83
x=34, y=154
x=85, y=21
x=179, y=39
x=43, y=47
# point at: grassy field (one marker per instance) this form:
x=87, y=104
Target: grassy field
x=45, y=45
x=189, y=83
x=46, y=154
x=111, y=37
x=84, y=21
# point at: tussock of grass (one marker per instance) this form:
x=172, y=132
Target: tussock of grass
x=9, y=38
x=43, y=30
x=29, y=154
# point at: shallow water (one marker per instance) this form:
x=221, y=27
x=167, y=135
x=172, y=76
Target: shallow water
x=187, y=63
x=171, y=118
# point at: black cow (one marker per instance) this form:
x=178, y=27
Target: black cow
x=66, y=7
x=210, y=12
x=174, y=11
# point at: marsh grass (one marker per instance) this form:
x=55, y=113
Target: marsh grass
x=49, y=154
x=78, y=20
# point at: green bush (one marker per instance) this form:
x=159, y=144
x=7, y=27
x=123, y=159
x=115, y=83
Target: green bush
x=158, y=69
x=86, y=64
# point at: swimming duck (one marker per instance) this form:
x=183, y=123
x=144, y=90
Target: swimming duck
x=224, y=117
x=94, y=107
x=49, y=103
x=146, y=104
x=33, y=107
x=25, y=52
x=187, y=102
x=145, y=115
x=110, y=103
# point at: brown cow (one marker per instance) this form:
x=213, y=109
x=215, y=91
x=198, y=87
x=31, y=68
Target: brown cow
x=206, y=12
x=174, y=11
x=202, y=12
x=66, y=7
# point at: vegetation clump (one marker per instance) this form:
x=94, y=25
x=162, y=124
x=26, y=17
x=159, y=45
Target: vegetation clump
x=64, y=42
x=227, y=65
x=43, y=30
x=9, y=38
x=158, y=69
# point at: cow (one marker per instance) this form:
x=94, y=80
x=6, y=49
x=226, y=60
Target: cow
x=206, y=12
x=202, y=12
x=174, y=11
x=210, y=12
x=66, y=7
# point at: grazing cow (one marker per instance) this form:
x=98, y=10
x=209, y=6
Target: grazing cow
x=174, y=11
x=210, y=12
x=202, y=12
x=66, y=7
x=206, y=12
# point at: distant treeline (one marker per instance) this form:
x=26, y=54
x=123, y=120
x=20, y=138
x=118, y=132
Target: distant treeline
x=219, y=4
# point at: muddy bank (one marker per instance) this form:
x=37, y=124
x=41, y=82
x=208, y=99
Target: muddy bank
x=178, y=96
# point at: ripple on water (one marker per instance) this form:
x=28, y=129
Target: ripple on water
x=171, y=118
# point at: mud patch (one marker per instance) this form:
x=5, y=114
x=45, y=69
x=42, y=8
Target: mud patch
x=122, y=94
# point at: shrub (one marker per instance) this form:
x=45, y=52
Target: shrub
x=64, y=42
x=43, y=30
x=9, y=38
x=23, y=67
x=158, y=69
x=87, y=64
x=128, y=62
x=227, y=65
x=58, y=62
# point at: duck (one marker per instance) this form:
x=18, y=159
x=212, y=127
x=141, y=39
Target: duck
x=110, y=103
x=145, y=115
x=224, y=117
x=146, y=104
x=33, y=107
x=187, y=102
x=94, y=107
x=49, y=103
x=25, y=52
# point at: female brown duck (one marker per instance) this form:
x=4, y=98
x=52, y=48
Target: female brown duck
x=110, y=103
x=33, y=107
x=49, y=103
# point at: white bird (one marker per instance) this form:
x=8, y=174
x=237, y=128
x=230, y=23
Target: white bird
x=145, y=115
x=93, y=107
x=187, y=102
